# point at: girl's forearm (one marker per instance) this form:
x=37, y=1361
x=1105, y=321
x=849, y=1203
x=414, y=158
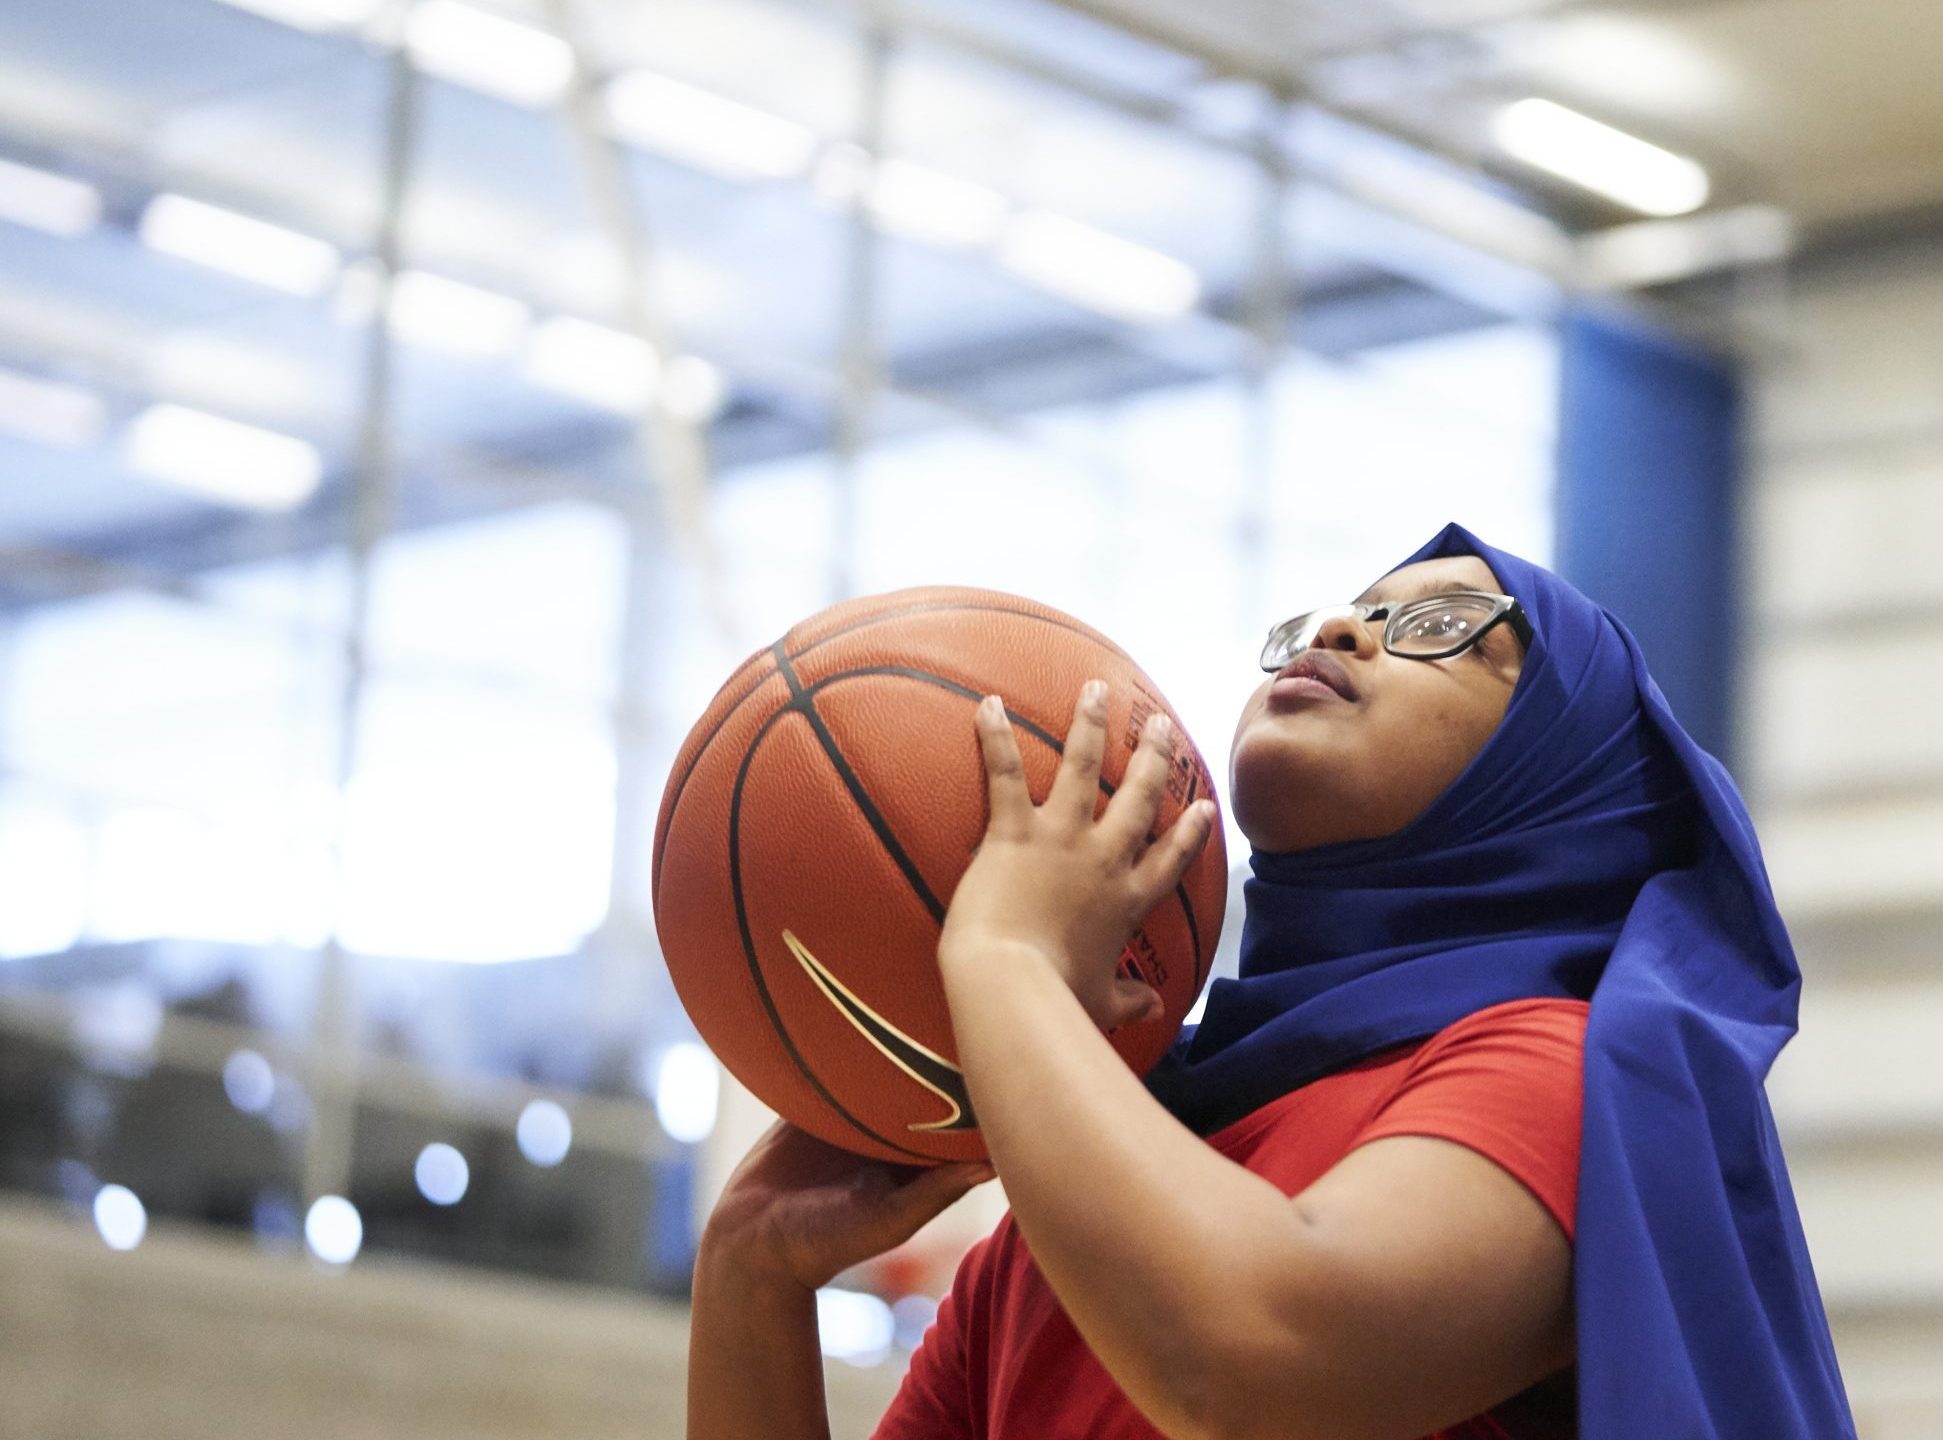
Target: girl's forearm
x=755, y=1368
x=1147, y=1235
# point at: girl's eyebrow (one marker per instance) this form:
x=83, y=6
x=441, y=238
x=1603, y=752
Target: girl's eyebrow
x=1424, y=591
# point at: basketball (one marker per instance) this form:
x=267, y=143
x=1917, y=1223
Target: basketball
x=821, y=813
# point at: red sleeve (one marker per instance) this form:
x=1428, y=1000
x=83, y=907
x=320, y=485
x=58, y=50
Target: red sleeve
x=934, y=1400
x=1507, y=1082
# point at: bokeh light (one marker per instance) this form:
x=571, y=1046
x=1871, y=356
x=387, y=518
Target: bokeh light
x=120, y=1217
x=249, y=1082
x=442, y=1174
x=911, y=1317
x=687, y=1088
x=334, y=1230
x=545, y=1133
x=854, y=1327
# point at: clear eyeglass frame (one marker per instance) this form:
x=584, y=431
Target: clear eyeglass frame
x=1295, y=635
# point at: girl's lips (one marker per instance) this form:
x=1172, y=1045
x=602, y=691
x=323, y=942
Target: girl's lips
x=1300, y=690
x=1322, y=667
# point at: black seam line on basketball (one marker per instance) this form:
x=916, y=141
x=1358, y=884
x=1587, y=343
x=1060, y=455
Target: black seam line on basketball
x=804, y=703
x=749, y=947
x=956, y=688
x=661, y=837
x=1058, y=747
x=1037, y=732
x=1193, y=933
x=780, y=651
x=787, y=670
x=929, y=606
x=1187, y=905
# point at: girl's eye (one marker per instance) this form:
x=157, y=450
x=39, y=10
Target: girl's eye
x=1440, y=626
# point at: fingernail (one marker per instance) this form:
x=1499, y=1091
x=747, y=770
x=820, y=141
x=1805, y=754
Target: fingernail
x=991, y=707
x=1094, y=694
x=1159, y=726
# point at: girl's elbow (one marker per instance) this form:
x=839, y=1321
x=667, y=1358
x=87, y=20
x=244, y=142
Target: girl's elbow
x=1227, y=1385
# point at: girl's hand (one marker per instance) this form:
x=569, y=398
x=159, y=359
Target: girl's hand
x=804, y=1210
x=1051, y=880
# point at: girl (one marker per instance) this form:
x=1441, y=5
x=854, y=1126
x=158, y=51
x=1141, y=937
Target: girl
x=1475, y=1146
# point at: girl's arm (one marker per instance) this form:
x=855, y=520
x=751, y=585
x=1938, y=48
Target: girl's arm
x=795, y=1213
x=755, y=1368
x=1413, y=1285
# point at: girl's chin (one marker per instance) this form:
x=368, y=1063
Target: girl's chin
x=1265, y=828
x=1269, y=765
x=1274, y=796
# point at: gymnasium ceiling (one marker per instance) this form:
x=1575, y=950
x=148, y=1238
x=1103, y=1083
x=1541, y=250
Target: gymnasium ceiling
x=1832, y=109
x=1133, y=116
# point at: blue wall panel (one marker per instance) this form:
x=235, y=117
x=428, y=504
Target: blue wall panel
x=1649, y=505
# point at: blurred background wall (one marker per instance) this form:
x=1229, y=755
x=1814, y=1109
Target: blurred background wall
x=411, y=411
x=1847, y=478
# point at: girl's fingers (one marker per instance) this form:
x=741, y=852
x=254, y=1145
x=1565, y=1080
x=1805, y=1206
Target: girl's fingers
x=1130, y=815
x=938, y=1187
x=1004, y=771
x=1167, y=859
x=1076, y=788
x=904, y=1210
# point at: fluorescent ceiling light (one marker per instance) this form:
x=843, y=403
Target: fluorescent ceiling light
x=489, y=53
x=48, y=412
x=251, y=249
x=57, y=204
x=911, y=200
x=705, y=130
x=1093, y=268
x=223, y=460
x=604, y=367
x=313, y=15
x=923, y=204
x=436, y=313
x=1600, y=158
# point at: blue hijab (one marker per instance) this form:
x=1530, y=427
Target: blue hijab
x=1591, y=849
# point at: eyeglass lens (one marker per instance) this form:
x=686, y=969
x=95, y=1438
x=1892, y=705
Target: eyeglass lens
x=1436, y=624
x=1430, y=626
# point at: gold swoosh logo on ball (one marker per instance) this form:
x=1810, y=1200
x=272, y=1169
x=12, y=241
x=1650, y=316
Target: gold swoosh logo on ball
x=926, y=1066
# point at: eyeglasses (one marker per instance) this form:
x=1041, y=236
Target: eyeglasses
x=1432, y=628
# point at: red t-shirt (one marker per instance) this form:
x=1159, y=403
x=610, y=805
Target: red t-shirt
x=1003, y=1362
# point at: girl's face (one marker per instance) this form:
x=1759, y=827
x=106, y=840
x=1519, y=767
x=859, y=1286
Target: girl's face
x=1311, y=770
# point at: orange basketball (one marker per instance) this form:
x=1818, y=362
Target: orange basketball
x=818, y=819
